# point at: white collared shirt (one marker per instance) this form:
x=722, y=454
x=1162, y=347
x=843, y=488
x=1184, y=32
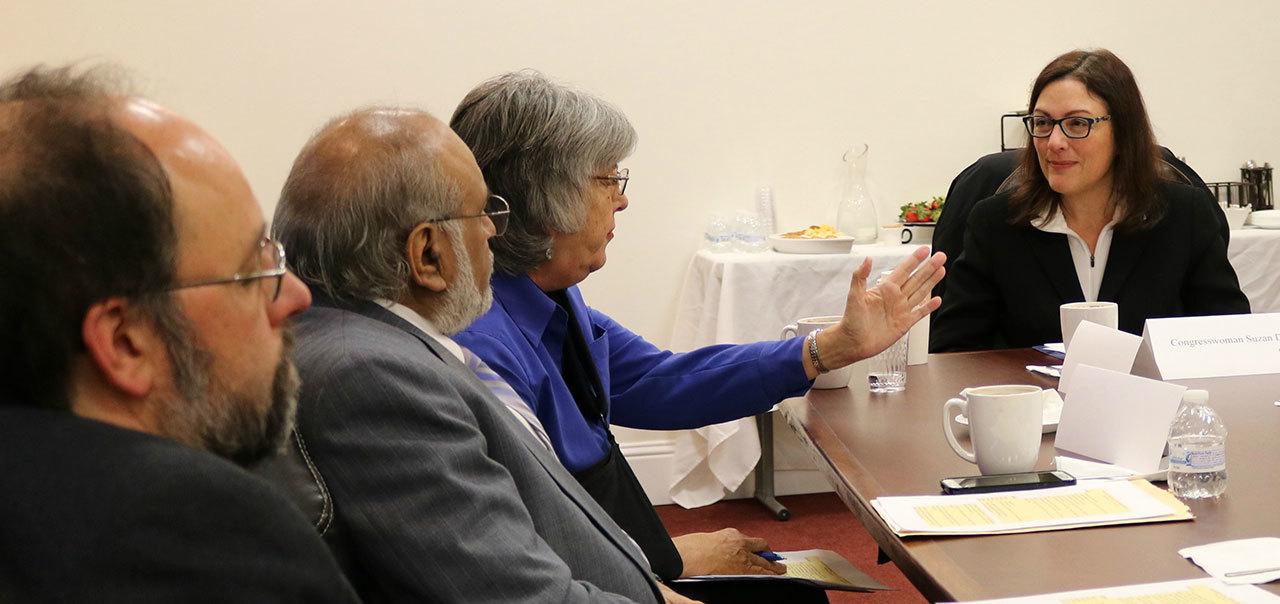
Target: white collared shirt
x=427, y=327
x=1089, y=267
x=423, y=325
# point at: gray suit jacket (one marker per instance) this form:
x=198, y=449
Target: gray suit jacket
x=441, y=494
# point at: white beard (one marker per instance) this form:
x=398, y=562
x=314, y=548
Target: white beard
x=465, y=299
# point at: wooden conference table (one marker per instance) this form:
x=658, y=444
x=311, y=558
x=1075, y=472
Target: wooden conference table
x=874, y=445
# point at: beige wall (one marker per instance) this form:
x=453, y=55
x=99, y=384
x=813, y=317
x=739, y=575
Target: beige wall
x=726, y=96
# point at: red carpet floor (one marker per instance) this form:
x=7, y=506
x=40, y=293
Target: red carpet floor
x=817, y=522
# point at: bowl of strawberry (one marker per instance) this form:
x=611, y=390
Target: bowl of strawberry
x=919, y=218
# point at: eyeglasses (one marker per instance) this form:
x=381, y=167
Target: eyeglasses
x=1041, y=126
x=271, y=266
x=619, y=179
x=496, y=208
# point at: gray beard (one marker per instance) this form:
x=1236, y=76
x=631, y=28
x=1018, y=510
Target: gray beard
x=463, y=302
x=208, y=414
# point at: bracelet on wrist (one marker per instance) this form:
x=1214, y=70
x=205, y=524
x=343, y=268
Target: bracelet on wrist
x=812, y=343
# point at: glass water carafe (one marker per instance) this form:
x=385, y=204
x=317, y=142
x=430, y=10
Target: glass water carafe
x=856, y=214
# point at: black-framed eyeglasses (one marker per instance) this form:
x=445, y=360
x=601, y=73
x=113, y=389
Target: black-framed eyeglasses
x=1075, y=126
x=271, y=266
x=619, y=179
x=496, y=208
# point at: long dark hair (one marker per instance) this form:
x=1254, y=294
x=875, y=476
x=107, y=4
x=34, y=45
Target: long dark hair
x=1134, y=169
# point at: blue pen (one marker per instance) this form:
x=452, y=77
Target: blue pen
x=768, y=555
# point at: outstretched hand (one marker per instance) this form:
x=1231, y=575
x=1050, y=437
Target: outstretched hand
x=874, y=318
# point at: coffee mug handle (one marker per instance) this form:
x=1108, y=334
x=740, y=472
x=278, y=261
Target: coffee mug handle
x=951, y=437
x=790, y=331
x=906, y=235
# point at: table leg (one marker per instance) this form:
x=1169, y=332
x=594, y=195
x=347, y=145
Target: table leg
x=764, y=469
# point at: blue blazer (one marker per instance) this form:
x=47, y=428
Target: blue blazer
x=522, y=337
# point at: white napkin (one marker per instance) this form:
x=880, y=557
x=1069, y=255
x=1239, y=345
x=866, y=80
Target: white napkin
x=1224, y=557
x=1084, y=469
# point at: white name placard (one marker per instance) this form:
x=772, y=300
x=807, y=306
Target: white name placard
x=1205, y=347
x=1117, y=418
x=1099, y=346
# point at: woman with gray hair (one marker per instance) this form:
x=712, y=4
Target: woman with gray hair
x=553, y=153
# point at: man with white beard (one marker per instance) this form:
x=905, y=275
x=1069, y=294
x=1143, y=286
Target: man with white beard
x=442, y=491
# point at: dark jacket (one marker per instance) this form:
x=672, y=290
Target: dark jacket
x=94, y=513
x=993, y=174
x=1005, y=288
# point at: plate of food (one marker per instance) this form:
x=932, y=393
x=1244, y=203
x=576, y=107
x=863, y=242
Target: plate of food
x=816, y=239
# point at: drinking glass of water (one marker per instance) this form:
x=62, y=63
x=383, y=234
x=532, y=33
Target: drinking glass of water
x=887, y=372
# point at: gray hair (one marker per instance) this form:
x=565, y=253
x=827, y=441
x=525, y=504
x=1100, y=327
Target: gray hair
x=356, y=190
x=538, y=143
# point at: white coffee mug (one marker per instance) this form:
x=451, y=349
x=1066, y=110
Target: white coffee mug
x=919, y=234
x=1004, y=426
x=1070, y=315
x=893, y=234
x=838, y=378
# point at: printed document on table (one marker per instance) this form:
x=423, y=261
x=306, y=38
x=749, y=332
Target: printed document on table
x=1198, y=591
x=1093, y=504
x=820, y=568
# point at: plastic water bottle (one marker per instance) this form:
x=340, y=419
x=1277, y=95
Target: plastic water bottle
x=1197, y=449
x=766, y=210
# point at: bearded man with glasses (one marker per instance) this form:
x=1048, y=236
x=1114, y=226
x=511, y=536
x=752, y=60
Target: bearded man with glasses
x=146, y=322
x=442, y=490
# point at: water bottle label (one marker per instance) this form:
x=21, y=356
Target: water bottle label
x=1188, y=460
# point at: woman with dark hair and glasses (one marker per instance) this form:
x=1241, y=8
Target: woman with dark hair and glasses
x=1092, y=221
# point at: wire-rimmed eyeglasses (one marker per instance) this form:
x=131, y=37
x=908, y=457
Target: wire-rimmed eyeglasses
x=619, y=179
x=1074, y=126
x=496, y=208
x=271, y=266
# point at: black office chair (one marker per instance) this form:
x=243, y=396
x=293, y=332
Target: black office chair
x=999, y=172
x=293, y=473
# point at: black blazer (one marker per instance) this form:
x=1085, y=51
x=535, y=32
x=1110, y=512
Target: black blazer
x=985, y=178
x=1005, y=288
x=94, y=513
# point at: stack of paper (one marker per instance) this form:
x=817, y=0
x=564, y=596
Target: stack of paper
x=1098, y=503
x=816, y=567
x=1199, y=591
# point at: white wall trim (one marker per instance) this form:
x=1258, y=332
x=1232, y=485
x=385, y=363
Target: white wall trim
x=647, y=448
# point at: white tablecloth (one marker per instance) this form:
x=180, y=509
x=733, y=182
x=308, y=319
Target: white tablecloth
x=738, y=298
x=1255, y=254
